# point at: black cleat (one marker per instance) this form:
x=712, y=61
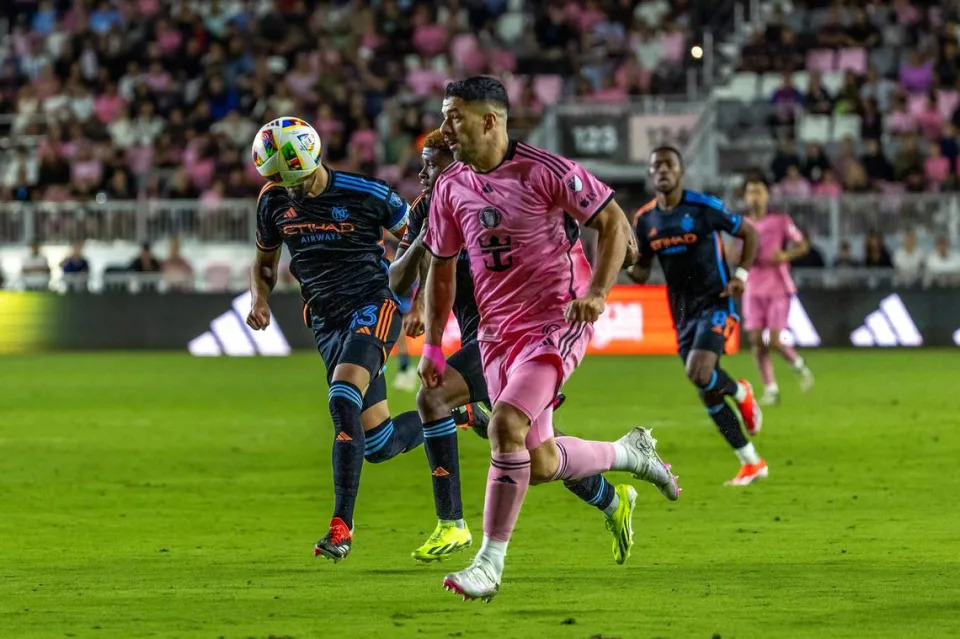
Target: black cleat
x=559, y=400
x=336, y=543
x=473, y=416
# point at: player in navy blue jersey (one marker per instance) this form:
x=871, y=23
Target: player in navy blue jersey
x=682, y=229
x=332, y=224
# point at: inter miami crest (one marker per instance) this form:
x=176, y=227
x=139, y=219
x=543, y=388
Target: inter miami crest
x=490, y=217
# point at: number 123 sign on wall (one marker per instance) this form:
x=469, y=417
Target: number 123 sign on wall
x=636, y=321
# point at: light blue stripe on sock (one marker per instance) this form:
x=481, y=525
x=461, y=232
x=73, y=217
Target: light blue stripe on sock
x=379, y=440
x=596, y=498
x=713, y=410
x=346, y=392
x=713, y=382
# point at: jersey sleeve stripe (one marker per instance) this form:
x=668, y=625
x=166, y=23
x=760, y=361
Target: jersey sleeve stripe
x=437, y=255
x=600, y=208
x=358, y=185
x=266, y=187
x=552, y=167
x=738, y=222
x=268, y=249
x=644, y=209
x=562, y=164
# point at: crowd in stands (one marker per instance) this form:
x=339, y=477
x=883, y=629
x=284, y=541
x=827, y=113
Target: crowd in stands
x=891, y=68
x=119, y=99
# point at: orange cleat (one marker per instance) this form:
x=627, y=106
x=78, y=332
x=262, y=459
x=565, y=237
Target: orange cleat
x=750, y=410
x=750, y=473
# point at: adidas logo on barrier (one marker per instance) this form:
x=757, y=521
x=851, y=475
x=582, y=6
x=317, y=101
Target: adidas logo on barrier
x=229, y=335
x=800, y=330
x=889, y=326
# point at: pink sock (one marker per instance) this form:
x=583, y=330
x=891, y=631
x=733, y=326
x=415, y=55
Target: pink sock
x=788, y=353
x=507, y=483
x=765, y=364
x=580, y=458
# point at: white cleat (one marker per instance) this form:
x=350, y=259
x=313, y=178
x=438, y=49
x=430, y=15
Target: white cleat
x=645, y=463
x=806, y=379
x=770, y=398
x=479, y=581
x=406, y=381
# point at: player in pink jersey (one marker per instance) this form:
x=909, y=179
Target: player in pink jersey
x=516, y=210
x=766, y=301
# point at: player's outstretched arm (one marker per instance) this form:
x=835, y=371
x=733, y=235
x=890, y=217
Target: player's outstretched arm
x=263, y=279
x=751, y=244
x=441, y=286
x=614, y=233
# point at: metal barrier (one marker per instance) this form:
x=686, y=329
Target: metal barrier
x=129, y=220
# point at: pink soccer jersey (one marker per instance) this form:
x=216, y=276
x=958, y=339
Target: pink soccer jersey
x=519, y=226
x=768, y=279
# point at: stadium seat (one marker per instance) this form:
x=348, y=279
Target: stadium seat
x=510, y=26
x=801, y=80
x=821, y=60
x=846, y=126
x=548, y=88
x=853, y=59
x=514, y=86
x=884, y=60
x=815, y=128
x=832, y=82
x=948, y=101
x=217, y=277
x=769, y=83
x=743, y=86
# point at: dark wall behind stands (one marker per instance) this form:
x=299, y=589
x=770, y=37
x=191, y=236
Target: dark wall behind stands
x=47, y=322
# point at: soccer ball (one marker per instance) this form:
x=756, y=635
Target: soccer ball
x=286, y=151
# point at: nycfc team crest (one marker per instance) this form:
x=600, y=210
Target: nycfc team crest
x=395, y=201
x=686, y=224
x=490, y=217
x=340, y=213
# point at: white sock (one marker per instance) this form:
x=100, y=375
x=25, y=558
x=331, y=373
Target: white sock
x=621, y=458
x=459, y=523
x=747, y=455
x=799, y=364
x=493, y=552
x=772, y=388
x=741, y=393
x=612, y=508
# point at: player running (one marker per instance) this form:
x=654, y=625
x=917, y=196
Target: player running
x=766, y=302
x=682, y=229
x=332, y=223
x=463, y=384
x=516, y=210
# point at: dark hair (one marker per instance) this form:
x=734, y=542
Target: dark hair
x=479, y=88
x=666, y=148
x=757, y=177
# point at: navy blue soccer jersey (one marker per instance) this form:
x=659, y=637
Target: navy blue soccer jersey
x=334, y=239
x=686, y=240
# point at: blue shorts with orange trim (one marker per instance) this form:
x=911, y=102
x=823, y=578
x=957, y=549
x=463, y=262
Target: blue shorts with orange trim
x=365, y=341
x=706, y=331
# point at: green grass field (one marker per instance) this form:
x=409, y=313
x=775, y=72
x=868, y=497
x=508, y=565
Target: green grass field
x=159, y=495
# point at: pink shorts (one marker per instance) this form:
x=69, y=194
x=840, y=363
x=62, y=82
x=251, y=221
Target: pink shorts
x=760, y=312
x=528, y=372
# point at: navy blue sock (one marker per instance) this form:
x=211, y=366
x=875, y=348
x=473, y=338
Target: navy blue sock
x=594, y=490
x=440, y=442
x=727, y=423
x=403, y=361
x=392, y=437
x=721, y=383
x=345, y=406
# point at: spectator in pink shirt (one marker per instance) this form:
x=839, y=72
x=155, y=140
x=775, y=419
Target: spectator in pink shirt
x=828, y=187
x=302, y=79
x=157, y=79
x=364, y=141
x=899, y=121
x=109, y=105
x=632, y=77
x=936, y=168
x=673, y=41
x=930, y=120
x=794, y=185
x=610, y=93
x=429, y=37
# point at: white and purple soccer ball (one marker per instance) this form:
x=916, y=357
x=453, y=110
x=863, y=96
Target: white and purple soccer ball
x=286, y=151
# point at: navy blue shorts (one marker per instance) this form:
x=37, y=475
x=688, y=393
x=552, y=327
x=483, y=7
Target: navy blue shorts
x=467, y=362
x=365, y=341
x=707, y=331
